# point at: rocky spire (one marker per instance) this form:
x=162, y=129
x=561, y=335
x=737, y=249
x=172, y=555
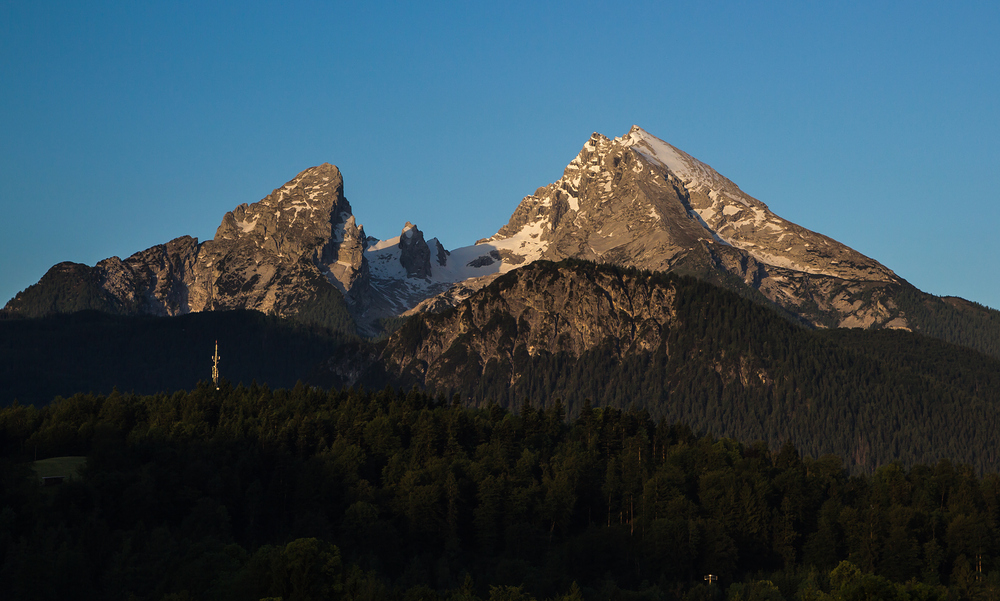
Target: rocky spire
x=347, y=265
x=414, y=254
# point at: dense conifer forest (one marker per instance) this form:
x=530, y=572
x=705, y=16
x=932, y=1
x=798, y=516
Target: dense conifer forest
x=305, y=493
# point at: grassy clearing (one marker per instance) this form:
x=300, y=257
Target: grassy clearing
x=70, y=467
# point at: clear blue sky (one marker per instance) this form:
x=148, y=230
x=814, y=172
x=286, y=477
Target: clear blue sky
x=126, y=124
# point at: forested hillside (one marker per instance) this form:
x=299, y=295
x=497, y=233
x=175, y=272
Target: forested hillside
x=953, y=319
x=246, y=493
x=684, y=350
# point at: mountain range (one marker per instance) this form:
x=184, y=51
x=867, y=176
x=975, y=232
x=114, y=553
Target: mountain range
x=633, y=201
x=641, y=278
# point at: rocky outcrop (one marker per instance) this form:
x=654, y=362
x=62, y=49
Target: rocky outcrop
x=347, y=265
x=542, y=308
x=161, y=276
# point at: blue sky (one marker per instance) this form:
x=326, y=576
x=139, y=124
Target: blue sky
x=127, y=124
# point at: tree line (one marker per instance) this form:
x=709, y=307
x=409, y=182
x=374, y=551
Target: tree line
x=247, y=492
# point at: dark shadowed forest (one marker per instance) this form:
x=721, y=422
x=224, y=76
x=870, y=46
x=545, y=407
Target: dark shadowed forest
x=251, y=493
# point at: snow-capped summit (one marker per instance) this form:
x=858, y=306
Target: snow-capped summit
x=638, y=201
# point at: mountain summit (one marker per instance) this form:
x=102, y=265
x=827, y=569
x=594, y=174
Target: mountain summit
x=277, y=255
x=637, y=201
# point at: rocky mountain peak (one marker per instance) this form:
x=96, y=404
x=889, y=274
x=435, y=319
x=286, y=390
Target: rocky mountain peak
x=277, y=255
x=638, y=201
x=263, y=252
x=608, y=206
x=692, y=172
x=414, y=254
x=292, y=218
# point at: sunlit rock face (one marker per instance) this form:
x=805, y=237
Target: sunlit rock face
x=637, y=201
x=268, y=256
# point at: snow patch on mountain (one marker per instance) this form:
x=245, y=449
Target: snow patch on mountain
x=690, y=170
x=462, y=263
x=247, y=226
